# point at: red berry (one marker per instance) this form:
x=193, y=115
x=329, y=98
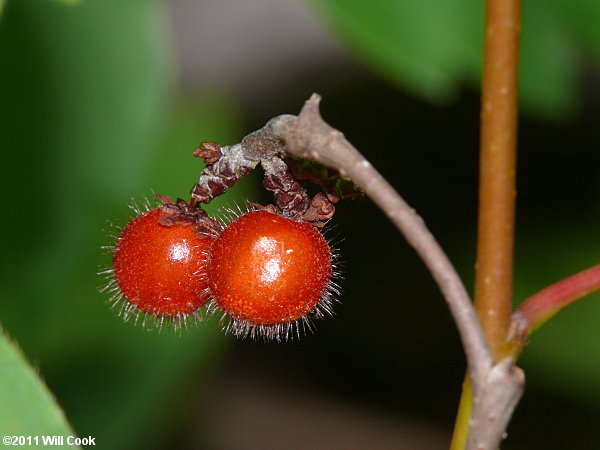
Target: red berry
x=268, y=273
x=159, y=265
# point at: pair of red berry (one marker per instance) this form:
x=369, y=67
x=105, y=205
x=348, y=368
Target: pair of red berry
x=266, y=272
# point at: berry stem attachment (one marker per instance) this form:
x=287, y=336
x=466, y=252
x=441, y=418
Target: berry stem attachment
x=226, y=165
x=540, y=307
x=290, y=195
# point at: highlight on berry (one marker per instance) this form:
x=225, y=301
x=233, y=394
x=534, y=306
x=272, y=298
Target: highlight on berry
x=271, y=276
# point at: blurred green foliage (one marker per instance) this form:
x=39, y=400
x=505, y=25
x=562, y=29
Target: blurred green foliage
x=433, y=47
x=88, y=122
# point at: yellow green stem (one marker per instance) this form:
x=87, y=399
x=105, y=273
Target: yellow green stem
x=465, y=409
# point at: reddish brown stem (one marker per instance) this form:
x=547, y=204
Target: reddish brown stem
x=540, y=307
x=493, y=284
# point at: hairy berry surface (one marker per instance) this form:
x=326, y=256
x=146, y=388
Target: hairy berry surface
x=160, y=269
x=265, y=269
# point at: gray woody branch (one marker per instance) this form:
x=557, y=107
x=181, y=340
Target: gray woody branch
x=497, y=388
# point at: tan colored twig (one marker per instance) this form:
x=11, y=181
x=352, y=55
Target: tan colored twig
x=493, y=283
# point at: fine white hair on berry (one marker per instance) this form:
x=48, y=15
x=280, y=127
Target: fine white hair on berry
x=133, y=308
x=284, y=330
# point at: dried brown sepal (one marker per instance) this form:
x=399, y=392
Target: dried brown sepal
x=318, y=213
x=268, y=208
x=210, y=152
x=290, y=196
x=183, y=213
x=225, y=165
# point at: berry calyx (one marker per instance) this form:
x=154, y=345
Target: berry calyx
x=159, y=264
x=268, y=273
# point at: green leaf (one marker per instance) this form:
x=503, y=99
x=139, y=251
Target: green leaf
x=70, y=2
x=581, y=18
x=430, y=47
x=27, y=407
x=547, y=76
x=425, y=46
